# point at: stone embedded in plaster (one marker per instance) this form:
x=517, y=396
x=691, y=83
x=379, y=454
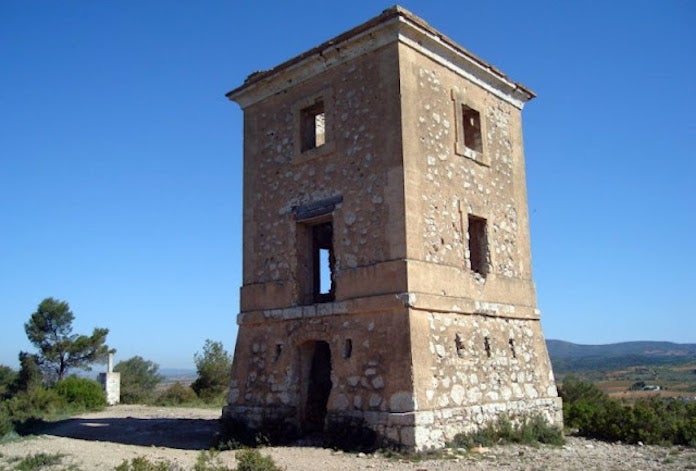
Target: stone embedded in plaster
x=402, y=402
x=458, y=394
x=341, y=402
x=378, y=382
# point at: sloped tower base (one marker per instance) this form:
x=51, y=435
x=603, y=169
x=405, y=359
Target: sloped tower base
x=449, y=373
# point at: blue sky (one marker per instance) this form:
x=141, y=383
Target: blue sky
x=120, y=159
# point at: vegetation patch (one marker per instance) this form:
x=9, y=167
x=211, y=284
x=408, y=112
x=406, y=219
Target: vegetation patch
x=140, y=463
x=36, y=462
x=177, y=395
x=139, y=378
x=247, y=460
x=532, y=431
x=592, y=413
x=214, y=366
x=82, y=393
x=253, y=460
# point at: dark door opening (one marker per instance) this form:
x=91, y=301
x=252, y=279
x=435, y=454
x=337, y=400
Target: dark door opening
x=317, y=356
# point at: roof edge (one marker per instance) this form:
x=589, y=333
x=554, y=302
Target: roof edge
x=518, y=93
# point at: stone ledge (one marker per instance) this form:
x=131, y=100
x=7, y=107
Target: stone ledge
x=386, y=303
x=459, y=305
x=392, y=302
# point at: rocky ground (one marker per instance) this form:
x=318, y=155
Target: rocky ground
x=103, y=440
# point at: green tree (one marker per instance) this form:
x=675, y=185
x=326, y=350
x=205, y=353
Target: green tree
x=139, y=377
x=50, y=330
x=8, y=376
x=214, y=371
x=29, y=377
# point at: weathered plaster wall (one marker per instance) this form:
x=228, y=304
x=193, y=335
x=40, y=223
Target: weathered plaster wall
x=376, y=376
x=361, y=162
x=443, y=187
x=472, y=359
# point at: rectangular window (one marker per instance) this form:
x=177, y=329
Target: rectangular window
x=471, y=122
x=323, y=263
x=470, y=128
x=312, y=126
x=478, y=245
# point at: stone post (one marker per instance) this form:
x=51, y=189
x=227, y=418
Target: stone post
x=111, y=382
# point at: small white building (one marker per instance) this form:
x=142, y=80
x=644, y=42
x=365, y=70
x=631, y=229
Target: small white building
x=111, y=382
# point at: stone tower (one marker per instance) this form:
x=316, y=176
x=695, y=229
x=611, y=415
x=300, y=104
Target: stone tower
x=387, y=274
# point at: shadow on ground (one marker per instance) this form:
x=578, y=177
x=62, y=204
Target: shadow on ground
x=183, y=434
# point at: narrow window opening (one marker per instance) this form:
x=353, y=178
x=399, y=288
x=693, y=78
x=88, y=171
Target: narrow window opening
x=324, y=271
x=324, y=263
x=478, y=245
x=471, y=122
x=459, y=344
x=348, y=348
x=487, y=346
x=512, y=348
x=278, y=351
x=313, y=126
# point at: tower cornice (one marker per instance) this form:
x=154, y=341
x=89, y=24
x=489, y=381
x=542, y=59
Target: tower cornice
x=394, y=25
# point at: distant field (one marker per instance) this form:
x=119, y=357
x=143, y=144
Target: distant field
x=629, y=370
x=625, y=383
x=184, y=379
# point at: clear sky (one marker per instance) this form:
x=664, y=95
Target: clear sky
x=120, y=159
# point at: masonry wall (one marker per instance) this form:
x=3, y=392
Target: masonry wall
x=361, y=161
x=375, y=376
x=477, y=346
x=443, y=187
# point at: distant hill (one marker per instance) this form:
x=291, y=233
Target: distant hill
x=177, y=372
x=570, y=357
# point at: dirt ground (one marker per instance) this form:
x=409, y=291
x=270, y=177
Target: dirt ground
x=103, y=440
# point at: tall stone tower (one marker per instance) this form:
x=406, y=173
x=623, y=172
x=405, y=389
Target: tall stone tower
x=387, y=271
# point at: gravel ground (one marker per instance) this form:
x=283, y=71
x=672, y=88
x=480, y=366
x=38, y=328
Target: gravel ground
x=103, y=440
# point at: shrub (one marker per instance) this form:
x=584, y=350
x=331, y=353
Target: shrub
x=5, y=420
x=650, y=421
x=175, y=395
x=214, y=371
x=81, y=393
x=37, y=404
x=38, y=461
x=139, y=377
x=253, y=460
x=209, y=461
x=29, y=376
x=532, y=430
x=8, y=377
x=140, y=463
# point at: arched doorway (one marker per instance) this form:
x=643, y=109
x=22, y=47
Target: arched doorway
x=316, y=384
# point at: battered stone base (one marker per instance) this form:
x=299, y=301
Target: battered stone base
x=276, y=425
x=410, y=430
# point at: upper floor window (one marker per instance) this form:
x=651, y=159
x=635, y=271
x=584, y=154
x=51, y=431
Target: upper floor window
x=316, y=259
x=478, y=245
x=471, y=123
x=312, y=126
x=469, y=129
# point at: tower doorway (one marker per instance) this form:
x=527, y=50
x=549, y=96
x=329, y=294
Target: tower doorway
x=316, y=372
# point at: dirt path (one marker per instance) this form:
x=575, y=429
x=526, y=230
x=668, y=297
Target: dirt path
x=103, y=440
